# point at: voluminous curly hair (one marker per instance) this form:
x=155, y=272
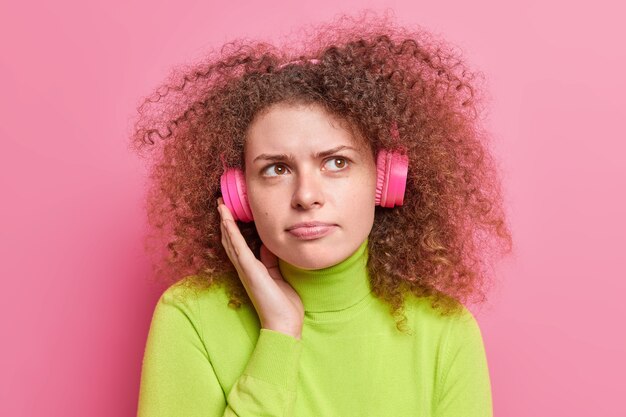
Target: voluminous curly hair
x=371, y=73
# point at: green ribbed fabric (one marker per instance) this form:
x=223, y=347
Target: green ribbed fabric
x=203, y=358
x=330, y=289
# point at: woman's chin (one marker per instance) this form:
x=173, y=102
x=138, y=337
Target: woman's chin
x=312, y=258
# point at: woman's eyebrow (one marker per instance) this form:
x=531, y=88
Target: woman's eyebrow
x=289, y=157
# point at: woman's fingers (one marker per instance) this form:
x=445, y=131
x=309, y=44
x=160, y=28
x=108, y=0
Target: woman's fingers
x=224, y=233
x=229, y=236
x=271, y=262
x=278, y=305
x=240, y=254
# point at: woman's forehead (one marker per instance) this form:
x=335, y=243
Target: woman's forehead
x=298, y=130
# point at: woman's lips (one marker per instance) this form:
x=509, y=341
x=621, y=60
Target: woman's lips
x=312, y=232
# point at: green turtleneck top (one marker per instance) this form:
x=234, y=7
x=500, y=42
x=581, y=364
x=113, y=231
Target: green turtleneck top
x=203, y=358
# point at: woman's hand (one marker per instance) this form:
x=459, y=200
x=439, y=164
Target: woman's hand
x=278, y=305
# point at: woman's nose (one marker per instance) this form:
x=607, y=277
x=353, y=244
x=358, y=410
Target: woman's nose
x=308, y=192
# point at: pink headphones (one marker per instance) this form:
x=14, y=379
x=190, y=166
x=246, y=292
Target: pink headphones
x=391, y=167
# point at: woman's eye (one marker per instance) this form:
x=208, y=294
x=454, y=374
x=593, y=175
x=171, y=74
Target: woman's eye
x=341, y=165
x=277, y=169
x=334, y=164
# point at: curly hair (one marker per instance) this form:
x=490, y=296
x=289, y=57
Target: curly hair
x=369, y=72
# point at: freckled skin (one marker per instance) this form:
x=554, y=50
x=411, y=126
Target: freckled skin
x=331, y=189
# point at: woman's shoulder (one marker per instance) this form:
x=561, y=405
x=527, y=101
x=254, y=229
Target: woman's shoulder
x=427, y=313
x=205, y=305
x=191, y=293
x=193, y=287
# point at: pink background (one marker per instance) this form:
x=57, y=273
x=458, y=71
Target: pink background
x=77, y=298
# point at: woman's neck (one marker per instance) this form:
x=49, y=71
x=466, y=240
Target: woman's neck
x=334, y=288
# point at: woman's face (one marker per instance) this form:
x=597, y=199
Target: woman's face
x=295, y=172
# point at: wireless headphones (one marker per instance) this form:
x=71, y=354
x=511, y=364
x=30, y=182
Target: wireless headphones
x=391, y=168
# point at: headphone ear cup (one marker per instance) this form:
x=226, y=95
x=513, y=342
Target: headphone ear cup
x=233, y=188
x=391, y=169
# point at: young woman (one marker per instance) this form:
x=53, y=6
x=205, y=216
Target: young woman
x=330, y=208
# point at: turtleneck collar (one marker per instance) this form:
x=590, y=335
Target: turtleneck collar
x=334, y=288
